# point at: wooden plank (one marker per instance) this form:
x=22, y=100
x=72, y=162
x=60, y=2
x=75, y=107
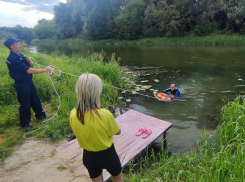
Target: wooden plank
x=127, y=144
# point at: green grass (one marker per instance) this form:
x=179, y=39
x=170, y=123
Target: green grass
x=192, y=40
x=188, y=40
x=219, y=157
x=108, y=70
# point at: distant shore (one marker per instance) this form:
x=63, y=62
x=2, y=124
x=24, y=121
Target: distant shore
x=188, y=40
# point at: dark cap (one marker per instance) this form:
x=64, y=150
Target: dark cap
x=10, y=41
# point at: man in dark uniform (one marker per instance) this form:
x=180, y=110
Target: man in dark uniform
x=20, y=71
x=173, y=91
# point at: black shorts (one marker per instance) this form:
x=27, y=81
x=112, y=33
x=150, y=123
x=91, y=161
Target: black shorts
x=106, y=159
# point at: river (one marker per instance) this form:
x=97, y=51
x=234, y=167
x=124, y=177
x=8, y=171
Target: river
x=205, y=75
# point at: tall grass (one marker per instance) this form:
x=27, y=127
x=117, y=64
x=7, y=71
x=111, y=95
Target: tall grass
x=76, y=41
x=188, y=40
x=192, y=40
x=109, y=71
x=220, y=157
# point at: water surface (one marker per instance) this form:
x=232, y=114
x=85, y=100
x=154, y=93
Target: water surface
x=204, y=75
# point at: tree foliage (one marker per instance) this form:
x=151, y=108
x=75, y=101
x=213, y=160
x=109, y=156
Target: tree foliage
x=45, y=29
x=129, y=21
x=18, y=31
x=133, y=19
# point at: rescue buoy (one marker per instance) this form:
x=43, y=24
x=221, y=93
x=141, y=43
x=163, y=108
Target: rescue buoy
x=164, y=96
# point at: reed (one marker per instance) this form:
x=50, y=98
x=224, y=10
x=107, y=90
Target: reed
x=187, y=40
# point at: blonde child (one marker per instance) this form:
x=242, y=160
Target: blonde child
x=94, y=128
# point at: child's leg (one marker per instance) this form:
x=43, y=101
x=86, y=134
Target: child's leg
x=118, y=178
x=98, y=179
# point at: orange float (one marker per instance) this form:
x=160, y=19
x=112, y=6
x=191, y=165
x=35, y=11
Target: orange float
x=164, y=96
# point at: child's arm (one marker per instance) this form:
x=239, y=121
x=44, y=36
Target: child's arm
x=119, y=132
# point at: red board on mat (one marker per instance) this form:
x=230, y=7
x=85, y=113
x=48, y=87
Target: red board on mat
x=127, y=144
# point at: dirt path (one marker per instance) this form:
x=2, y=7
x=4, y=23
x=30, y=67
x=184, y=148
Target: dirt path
x=36, y=161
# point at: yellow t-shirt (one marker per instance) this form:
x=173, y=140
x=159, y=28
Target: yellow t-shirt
x=96, y=134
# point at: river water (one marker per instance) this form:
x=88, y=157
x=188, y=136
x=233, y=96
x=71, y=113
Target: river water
x=205, y=75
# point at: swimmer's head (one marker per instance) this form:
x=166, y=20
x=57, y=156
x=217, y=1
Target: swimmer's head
x=172, y=87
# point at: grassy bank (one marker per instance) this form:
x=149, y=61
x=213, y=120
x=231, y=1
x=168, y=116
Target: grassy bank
x=218, y=158
x=11, y=134
x=188, y=40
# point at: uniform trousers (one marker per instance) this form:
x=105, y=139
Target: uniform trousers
x=28, y=98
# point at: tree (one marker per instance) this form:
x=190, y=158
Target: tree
x=133, y=19
x=99, y=18
x=23, y=33
x=174, y=18
x=62, y=20
x=5, y=33
x=149, y=24
x=207, y=16
x=96, y=21
x=235, y=13
x=129, y=21
x=45, y=29
x=78, y=8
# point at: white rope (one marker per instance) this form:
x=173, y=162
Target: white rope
x=45, y=121
x=58, y=72
x=55, y=69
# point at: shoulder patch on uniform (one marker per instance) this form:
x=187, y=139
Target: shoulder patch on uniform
x=8, y=62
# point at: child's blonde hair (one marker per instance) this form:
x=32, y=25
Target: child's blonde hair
x=88, y=89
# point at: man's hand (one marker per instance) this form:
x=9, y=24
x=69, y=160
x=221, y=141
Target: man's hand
x=28, y=59
x=48, y=69
x=29, y=62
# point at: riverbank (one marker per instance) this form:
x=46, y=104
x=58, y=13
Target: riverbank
x=219, y=157
x=11, y=134
x=188, y=40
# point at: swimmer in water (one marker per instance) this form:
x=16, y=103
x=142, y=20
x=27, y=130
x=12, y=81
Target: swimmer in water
x=174, y=91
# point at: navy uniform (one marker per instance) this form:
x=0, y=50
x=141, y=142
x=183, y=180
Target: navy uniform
x=24, y=86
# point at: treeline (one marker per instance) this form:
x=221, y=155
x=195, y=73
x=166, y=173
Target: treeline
x=18, y=31
x=133, y=19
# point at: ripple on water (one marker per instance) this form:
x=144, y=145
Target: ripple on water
x=193, y=117
x=226, y=91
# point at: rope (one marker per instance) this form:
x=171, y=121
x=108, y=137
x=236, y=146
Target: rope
x=56, y=71
x=62, y=72
x=45, y=121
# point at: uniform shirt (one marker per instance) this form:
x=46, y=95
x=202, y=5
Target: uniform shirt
x=175, y=92
x=18, y=66
x=96, y=134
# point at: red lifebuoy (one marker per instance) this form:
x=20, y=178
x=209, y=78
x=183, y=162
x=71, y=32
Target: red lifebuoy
x=163, y=96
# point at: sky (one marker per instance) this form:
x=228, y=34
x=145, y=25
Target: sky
x=26, y=12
